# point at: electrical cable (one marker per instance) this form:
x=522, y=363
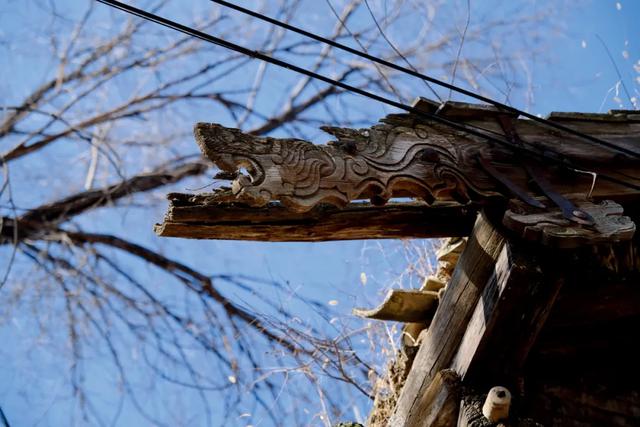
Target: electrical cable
x=4, y=422
x=261, y=56
x=424, y=77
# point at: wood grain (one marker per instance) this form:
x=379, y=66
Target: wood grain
x=443, y=337
x=206, y=218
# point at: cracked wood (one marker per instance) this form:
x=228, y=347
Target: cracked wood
x=213, y=216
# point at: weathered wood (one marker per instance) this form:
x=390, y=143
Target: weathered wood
x=470, y=414
x=442, y=397
x=447, y=254
x=403, y=305
x=204, y=217
x=442, y=338
x=550, y=228
x=403, y=156
x=408, y=156
x=506, y=321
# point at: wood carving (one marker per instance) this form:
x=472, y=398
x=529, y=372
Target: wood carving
x=293, y=190
x=380, y=163
x=408, y=156
x=549, y=227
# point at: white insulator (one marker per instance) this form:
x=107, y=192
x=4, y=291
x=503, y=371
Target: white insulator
x=496, y=406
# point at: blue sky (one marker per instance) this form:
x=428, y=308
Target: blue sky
x=581, y=76
x=573, y=74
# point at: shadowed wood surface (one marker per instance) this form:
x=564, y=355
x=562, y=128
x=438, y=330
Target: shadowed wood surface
x=558, y=328
x=583, y=369
x=510, y=313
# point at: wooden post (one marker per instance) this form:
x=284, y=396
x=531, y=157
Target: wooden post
x=443, y=337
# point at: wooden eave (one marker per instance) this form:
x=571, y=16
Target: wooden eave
x=433, y=189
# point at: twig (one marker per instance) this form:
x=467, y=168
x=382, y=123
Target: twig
x=395, y=49
x=464, y=34
x=615, y=67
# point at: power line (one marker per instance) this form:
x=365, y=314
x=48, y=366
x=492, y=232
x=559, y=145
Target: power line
x=4, y=422
x=261, y=56
x=275, y=61
x=615, y=67
x=424, y=77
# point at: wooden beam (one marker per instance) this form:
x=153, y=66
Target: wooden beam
x=442, y=338
x=205, y=217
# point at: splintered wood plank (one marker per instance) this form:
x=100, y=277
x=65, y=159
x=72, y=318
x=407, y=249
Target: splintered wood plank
x=441, y=340
x=210, y=219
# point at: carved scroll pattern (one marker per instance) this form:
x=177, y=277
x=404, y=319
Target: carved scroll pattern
x=379, y=163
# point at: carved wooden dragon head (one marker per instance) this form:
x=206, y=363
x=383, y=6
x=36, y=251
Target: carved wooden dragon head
x=378, y=164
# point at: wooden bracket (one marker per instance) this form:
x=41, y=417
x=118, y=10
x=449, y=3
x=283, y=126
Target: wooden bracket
x=551, y=228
